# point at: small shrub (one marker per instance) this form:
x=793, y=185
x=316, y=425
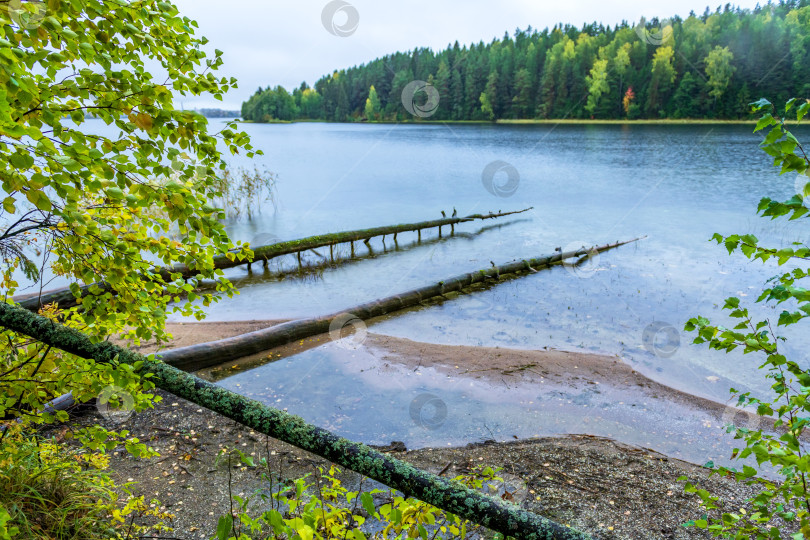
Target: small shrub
x=49, y=492
x=318, y=507
x=782, y=504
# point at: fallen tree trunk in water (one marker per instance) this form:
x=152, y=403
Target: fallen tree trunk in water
x=205, y=355
x=399, y=246
x=493, y=513
x=64, y=298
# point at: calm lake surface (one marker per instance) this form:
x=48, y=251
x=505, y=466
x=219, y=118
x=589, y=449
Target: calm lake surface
x=588, y=185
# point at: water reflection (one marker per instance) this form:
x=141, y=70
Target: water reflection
x=365, y=395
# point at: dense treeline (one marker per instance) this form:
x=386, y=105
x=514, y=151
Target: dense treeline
x=707, y=66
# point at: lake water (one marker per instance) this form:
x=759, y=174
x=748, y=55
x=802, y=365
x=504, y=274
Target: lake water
x=588, y=185
x=363, y=393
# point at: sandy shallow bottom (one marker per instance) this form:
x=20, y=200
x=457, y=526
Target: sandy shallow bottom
x=488, y=393
x=600, y=485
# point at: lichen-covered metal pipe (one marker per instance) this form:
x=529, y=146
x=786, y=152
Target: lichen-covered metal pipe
x=495, y=514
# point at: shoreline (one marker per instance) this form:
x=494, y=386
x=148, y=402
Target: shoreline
x=525, y=393
x=484, y=362
x=532, y=121
x=610, y=489
x=554, y=392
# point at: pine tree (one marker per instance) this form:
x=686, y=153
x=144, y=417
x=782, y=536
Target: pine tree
x=730, y=55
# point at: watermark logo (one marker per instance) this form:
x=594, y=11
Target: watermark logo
x=655, y=36
x=500, y=178
x=26, y=14
x=585, y=264
x=661, y=339
x=428, y=411
x=340, y=18
x=115, y=404
x=348, y=331
x=735, y=418
x=420, y=99
x=802, y=187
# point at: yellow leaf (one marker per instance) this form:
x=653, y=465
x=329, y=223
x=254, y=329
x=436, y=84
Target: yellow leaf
x=305, y=532
x=143, y=121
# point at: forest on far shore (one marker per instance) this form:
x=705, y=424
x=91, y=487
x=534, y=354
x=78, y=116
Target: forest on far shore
x=704, y=66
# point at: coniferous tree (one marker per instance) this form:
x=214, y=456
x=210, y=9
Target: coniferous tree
x=707, y=66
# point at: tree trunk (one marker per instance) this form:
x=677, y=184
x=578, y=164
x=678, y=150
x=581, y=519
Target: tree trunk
x=65, y=298
x=205, y=355
x=449, y=496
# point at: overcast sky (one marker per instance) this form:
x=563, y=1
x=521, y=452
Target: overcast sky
x=267, y=42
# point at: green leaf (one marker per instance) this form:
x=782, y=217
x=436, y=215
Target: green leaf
x=8, y=205
x=305, y=532
x=773, y=135
x=246, y=459
x=760, y=104
x=368, y=503
x=802, y=110
x=39, y=199
x=765, y=121
x=224, y=527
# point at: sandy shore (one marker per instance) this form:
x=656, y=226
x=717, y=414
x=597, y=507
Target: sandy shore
x=572, y=369
x=566, y=368
x=608, y=488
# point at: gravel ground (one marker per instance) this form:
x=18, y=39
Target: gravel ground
x=606, y=488
x=610, y=490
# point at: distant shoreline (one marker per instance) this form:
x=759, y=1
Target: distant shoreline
x=530, y=122
x=662, y=121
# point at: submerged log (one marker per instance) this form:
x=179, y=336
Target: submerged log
x=494, y=513
x=205, y=355
x=65, y=298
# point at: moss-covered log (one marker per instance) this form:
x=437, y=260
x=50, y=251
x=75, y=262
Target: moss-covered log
x=65, y=298
x=317, y=267
x=205, y=355
x=493, y=513
x=297, y=246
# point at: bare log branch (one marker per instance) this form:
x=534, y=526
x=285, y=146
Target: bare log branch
x=64, y=298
